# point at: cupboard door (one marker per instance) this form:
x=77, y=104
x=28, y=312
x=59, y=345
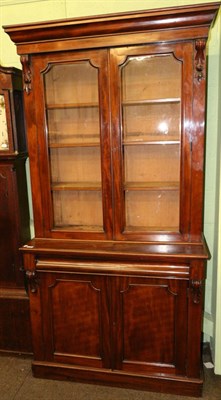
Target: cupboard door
x=74, y=319
x=151, y=325
x=76, y=133
x=149, y=170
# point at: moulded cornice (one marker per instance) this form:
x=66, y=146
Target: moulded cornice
x=151, y=20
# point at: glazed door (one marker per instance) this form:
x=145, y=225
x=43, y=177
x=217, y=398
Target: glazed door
x=150, y=321
x=151, y=140
x=73, y=134
x=115, y=143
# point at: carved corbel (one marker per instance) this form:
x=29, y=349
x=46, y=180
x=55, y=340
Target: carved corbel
x=196, y=290
x=200, y=47
x=27, y=77
x=32, y=281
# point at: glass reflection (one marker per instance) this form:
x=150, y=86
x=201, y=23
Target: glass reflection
x=151, y=120
x=3, y=125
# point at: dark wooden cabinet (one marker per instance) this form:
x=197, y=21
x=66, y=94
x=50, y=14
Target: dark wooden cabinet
x=115, y=113
x=124, y=323
x=14, y=215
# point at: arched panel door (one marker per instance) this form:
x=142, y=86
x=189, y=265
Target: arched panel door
x=150, y=133
x=74, y=161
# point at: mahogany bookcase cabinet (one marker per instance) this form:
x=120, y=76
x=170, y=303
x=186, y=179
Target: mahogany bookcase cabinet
x=115, y=109
x=15, y=325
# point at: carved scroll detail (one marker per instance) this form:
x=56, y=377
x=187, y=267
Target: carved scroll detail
x=196, y=290
x=200, y=59
x=27, y=77
x=32, y=281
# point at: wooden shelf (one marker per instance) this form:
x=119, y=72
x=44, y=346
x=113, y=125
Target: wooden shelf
x=150, y=186
x=71, y=105
x=80, y=228
x=149, y=142
x=150, y=229
x=125, y=142
x=151, y=101
x=78, y=186
x=69, y=145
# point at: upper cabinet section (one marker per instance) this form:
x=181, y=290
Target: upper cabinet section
x=115, y=110
x=12, y=129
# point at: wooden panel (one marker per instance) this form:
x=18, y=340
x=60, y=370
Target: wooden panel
x=74, y=321
x=149, y=324
x=153, y=325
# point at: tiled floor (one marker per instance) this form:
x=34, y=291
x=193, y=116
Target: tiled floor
x=17, y=383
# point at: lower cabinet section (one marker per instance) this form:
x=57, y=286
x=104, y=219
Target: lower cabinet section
x=123, y=328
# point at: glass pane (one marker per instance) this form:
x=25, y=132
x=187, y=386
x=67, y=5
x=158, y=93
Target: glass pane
x=71, y=92
x=151, y=77
x=71, y=209
x=4, y=145
x=151, y=113
x=160, y=121
x=152, y=209
x=146, y=165
x=73, y=125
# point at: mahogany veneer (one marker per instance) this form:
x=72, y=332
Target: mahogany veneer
x=115, y=113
